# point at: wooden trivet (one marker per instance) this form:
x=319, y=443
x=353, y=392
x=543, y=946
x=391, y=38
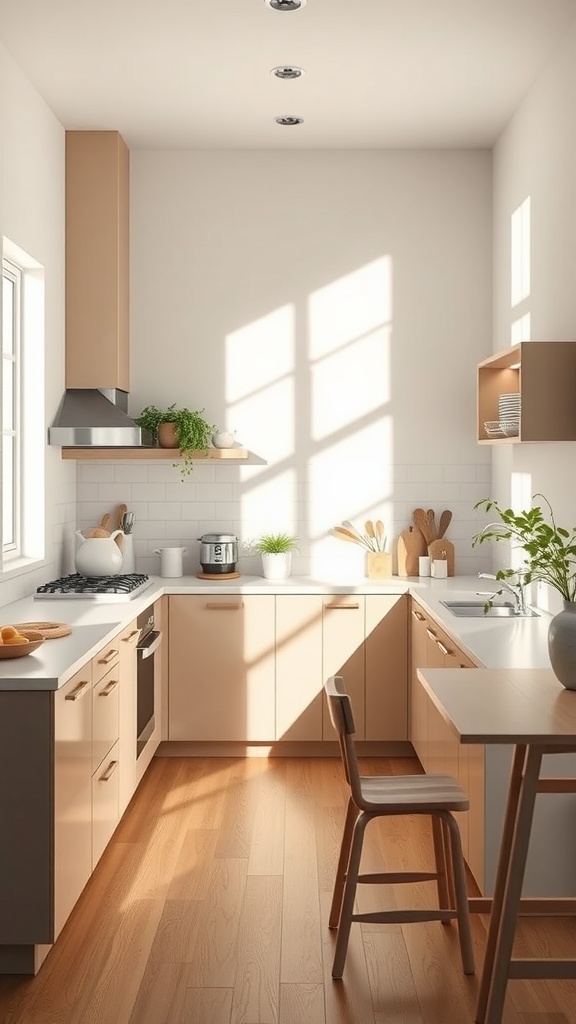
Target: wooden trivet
x=49, y=630
x=218, y=575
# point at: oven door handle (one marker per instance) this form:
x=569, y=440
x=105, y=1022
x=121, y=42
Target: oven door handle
x=149, y=644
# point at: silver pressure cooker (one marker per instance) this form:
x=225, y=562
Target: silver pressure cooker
x=218, y=553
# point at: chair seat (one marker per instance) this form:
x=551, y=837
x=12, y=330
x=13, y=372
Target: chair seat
x=405, y=794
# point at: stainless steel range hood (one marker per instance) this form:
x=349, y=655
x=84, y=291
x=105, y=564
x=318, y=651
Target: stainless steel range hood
x=96, y=418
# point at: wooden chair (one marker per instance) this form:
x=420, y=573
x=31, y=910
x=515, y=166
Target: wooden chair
x=375, y=796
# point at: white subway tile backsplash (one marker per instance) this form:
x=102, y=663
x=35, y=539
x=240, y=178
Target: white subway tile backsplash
x=248, y=501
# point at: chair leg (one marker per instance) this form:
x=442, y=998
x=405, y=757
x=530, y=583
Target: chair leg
x=343, y=858
x=449, y=867
x=461, y=893
x=349, y=895
x=441, y=860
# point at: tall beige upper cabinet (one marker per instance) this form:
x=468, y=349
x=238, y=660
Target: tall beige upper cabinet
x=97, y=260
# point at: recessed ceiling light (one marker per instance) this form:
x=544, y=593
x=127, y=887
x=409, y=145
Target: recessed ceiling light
x=287, y=71
x=285, y=5
x=288, y=120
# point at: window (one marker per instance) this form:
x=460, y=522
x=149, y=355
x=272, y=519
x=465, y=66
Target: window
x=22, y=439
x=11, y=408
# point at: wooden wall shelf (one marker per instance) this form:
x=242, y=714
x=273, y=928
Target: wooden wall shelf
x=544, y=374
x=236, y=454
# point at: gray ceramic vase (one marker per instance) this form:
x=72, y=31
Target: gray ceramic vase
x=562, y=645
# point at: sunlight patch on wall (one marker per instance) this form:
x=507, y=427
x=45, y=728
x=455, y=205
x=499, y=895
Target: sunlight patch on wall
x=266, y=420
x=520, y=330
x=520, y=253
x=350, y=307
x=350, y=383
x=270, y=506
x=259, y=354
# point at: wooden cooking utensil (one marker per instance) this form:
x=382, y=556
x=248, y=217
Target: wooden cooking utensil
x=369, y=527
x=445, y=520
x=411, y=544
x=96, y=532
x=350, y=526
x=343, y=534
x=380, y=537
x=104, y=521
x=120, y=512
x=422, y=522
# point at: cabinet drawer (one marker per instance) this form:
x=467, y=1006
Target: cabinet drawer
x=105, y=706
x=105, y=660
x=105, y=814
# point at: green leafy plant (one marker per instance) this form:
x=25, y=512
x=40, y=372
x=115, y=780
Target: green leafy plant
x=276, y=543
x=192, y=430
x=550, y=550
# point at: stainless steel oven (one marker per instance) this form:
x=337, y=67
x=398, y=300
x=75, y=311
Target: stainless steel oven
x=147, y=651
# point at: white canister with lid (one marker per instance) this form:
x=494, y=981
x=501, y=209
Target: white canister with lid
x=171, y=561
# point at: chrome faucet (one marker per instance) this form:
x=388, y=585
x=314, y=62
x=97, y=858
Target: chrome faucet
x=516, y=589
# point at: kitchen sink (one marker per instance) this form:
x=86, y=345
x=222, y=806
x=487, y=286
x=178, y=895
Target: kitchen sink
x=475, y=609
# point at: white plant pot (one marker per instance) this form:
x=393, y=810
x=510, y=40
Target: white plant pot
x=277, y=566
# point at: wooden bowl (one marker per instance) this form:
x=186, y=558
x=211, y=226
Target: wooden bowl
x=20, y=650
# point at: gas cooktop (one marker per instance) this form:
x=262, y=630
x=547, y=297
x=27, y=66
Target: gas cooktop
x=95, y=588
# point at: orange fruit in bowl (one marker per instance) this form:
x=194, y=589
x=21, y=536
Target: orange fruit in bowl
x=8, y=633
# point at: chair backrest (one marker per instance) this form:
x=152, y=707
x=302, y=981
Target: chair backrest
x=342, y=718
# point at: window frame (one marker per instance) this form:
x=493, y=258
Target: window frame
x=12, y=364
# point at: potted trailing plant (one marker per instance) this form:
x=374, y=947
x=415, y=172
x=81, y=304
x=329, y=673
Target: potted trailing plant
x=549, y=557
x=276, y=551
x=178, y=427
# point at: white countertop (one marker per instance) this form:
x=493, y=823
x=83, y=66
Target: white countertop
x=497, y=643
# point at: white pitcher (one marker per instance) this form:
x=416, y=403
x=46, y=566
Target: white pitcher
x=171, y=561
x=98, y=556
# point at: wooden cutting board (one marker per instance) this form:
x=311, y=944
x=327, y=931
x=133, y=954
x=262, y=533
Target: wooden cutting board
x=411, y=545
x=443, y=549
x=49, y=630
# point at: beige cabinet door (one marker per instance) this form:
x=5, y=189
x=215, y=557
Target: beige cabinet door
x=105, y=705
x=418, y=706
x=72, y=792
x=299, y=678
x=386, y=666
x=221, y=657
x=127, y=716
x=343, y=653
x=105, y=814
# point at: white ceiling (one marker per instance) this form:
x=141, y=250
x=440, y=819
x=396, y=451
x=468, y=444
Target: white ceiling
x=196, y=73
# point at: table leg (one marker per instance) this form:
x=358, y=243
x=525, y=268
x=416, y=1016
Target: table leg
x=511, y=866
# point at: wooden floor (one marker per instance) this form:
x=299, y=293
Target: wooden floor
x=210, y=906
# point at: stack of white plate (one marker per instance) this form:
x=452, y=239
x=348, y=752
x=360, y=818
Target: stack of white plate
x=509, y=413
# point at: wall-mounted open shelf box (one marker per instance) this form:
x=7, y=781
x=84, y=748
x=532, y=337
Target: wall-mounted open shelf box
x=544, y=373
x=236, y=454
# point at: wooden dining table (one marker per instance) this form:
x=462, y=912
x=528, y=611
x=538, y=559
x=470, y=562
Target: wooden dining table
x=530, y=710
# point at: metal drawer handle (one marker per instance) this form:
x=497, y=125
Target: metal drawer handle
x=109, y=771
x=78, y=690
x=131, y=637
x=111, y=656
x=418, y=616
x=442, y=648
x=344, y=607
x=431, y=634
x=224, y=607
x=109, y=688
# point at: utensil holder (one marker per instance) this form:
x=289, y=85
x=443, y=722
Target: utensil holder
x=128, y=565
x=378, y=565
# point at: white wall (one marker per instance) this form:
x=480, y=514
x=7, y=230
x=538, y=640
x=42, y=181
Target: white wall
x=536, y=157
x=32, y=217
x=331, y=308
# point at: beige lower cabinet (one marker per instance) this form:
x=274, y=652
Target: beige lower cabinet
x=72, y=793
x=434, y=742
x=386, y=667
x=222, y=668
x=105, y=814
x=343, y=633
x=298, y=641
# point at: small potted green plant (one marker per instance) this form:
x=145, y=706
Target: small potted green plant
x=176, y=427
x=276, y=551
